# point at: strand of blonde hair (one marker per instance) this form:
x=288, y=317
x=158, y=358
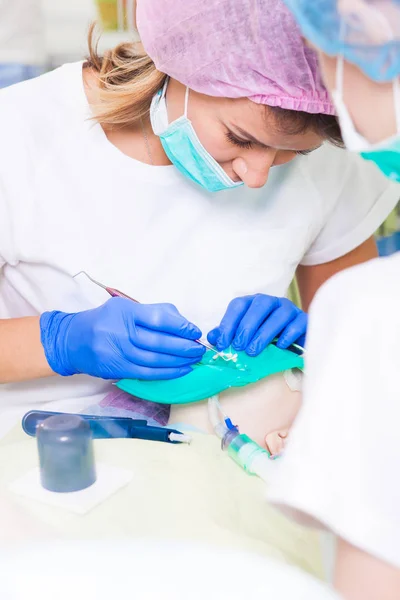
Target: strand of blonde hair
x=127, y=79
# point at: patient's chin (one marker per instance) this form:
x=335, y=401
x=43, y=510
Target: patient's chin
x=258, y=409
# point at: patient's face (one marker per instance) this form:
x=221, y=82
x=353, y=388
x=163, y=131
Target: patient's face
x=258, y=409
x=363, y=98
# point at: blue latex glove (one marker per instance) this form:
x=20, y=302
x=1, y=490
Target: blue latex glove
x=121, y=339
x=252, y=322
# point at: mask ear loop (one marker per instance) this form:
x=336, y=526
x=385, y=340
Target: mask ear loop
x=340, y=75
x=164, y=88
x=186, y=102
x=340, y=66
x=164, y=91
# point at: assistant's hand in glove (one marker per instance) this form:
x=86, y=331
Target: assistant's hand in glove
x=121, y=339
x=252, y=322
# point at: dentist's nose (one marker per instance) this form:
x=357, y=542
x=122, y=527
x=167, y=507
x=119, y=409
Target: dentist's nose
x=253, y=172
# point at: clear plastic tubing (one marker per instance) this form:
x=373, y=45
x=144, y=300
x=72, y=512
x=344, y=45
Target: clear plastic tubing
x=247, y=454
x=243, y=450
x=66, y=454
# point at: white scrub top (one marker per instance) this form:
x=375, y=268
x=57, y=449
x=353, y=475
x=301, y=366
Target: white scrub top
x=341, y=466
x=71, y=201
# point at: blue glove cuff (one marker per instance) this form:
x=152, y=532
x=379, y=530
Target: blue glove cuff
x=53, y=328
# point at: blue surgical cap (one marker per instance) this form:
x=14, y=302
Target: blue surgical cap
x=365, y=32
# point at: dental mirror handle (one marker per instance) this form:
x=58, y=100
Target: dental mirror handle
x=114, y=293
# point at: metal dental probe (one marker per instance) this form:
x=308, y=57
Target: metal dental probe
x=114, y=293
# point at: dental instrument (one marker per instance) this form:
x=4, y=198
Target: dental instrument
x=240, y=448
x=296, y=348
x=111, y=291
x=102, y=427
x=114, y=293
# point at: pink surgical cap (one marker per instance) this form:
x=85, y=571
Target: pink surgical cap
x=234, y=49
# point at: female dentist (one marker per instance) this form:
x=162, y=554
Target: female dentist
x=109, y=167
x=340, y=469
x=184, y=44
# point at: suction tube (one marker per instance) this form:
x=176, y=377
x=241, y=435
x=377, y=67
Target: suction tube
x=243, y=450
x=217, y=417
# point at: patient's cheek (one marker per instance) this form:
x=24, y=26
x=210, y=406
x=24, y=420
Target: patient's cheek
x=263, y=407
x=258, y=409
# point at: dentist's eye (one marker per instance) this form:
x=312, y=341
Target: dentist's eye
x=238, y=142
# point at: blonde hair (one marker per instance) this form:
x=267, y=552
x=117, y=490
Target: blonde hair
x=128, y=80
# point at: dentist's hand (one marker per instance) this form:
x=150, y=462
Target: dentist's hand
x=121, y=339
x=252, y=322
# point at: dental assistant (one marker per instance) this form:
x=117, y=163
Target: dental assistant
x=168, y=193
x=340, y=468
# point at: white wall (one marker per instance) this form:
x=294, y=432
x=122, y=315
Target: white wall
x=66, y=26
x=67, y=23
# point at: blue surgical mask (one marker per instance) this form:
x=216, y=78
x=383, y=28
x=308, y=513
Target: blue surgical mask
x=385, y=154
x=184, y=149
